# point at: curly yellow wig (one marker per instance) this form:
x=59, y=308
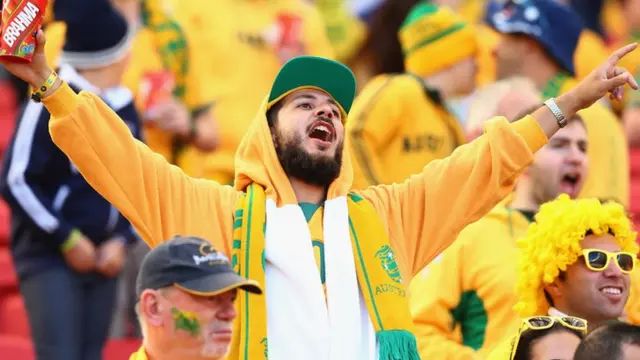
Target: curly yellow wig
x=552, y=243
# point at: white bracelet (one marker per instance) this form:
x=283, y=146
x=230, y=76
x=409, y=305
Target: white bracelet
x=555, y=110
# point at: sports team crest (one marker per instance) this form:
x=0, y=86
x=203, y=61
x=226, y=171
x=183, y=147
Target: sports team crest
x=388, y=261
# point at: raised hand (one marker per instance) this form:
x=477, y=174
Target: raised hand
x=36, y=72
x=608, y=78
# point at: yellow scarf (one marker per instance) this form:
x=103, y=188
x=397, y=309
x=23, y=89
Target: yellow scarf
x=377, y=272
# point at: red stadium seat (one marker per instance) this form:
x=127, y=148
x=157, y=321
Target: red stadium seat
x=8, y=276
x=13, y=316
x=8, y=112
x=16, y=348
x=5, y=224
x=117, y=349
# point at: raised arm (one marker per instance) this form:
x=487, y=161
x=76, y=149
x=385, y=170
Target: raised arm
x=426, y=212
x=157, y=198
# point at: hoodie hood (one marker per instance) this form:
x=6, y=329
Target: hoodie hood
x=256, y=161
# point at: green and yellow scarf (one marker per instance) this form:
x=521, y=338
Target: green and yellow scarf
x=377, y=272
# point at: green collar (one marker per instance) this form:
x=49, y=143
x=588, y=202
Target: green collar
x=553, y=87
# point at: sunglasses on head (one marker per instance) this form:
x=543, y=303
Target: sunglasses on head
x=598, y=260
x=546, y=322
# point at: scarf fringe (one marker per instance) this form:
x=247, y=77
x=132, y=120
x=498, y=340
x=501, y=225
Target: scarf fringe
x=397, y=345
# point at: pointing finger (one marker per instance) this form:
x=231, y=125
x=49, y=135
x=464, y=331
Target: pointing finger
x=620, y=53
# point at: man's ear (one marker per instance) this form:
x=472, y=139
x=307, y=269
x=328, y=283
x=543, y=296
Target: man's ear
x=151, y=308
x=555, y=290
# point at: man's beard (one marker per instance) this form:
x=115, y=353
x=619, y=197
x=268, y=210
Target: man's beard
x=299, y=164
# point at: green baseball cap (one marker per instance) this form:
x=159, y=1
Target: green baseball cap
x=330, y=76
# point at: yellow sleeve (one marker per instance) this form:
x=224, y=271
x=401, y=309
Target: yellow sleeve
x=157, y=198
x=425, y=213
x=434, y=294
x=374, y=116
x=315, y=34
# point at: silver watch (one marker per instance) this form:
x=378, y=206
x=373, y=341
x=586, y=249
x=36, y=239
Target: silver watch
x=555, y=110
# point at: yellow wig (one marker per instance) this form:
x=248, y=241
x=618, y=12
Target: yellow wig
x=553, y=241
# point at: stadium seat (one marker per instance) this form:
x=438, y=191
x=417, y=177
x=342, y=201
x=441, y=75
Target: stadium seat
x=8, y=276
x=634, y=185
x=16, y=348
x=117, y=349
x=5, y=224
x=8, y=113
x=13, y=316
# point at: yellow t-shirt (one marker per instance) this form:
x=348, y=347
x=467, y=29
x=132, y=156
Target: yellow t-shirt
x=237, y=64
x=396, y=127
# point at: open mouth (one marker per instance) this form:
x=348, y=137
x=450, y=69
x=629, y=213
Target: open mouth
x=322, y=130
x=569, y=182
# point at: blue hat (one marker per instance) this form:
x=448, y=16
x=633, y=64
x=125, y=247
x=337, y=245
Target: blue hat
x=193, y=265
x=554, y=25
x=97, y=34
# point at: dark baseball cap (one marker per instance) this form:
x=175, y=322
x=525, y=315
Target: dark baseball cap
x=193, y=265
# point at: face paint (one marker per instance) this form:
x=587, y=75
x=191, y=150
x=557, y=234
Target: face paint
x=186, y=321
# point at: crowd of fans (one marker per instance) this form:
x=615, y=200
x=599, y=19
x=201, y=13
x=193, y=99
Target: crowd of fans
x=547, y=273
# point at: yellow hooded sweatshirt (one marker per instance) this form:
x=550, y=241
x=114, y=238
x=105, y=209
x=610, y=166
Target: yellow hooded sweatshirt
x=608, y=154
x=422, y=216
x=462, y=303
x=397, y=126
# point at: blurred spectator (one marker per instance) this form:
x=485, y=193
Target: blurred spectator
x=533, y=48
x=400, y=122
x=546, y=337
x=505, y=97
x=345, y=30
x=612, y=341
x=462, y=303
x=381, y=52
x=174, y=116
x=68, y=243
x=239, y=46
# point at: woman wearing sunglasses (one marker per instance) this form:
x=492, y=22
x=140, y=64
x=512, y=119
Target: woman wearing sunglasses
x=548, y=338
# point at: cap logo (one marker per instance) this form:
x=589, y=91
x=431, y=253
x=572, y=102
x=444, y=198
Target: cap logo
x=209, y=255
x=503, y=25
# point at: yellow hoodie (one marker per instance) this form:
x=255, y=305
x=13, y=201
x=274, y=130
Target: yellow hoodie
x=422, y=215
x=462, y=303
x=397, y=126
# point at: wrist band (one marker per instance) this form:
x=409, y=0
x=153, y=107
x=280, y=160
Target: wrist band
x=71, y=241
x=39, y=92
x=555, y=110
